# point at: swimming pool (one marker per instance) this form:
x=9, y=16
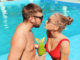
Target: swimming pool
x=10, y=17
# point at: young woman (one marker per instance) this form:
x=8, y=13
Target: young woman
x=58, y=45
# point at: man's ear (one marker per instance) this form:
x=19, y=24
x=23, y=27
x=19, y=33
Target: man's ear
x=31, y=19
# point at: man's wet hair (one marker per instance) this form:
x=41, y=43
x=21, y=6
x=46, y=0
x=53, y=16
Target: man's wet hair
x=30, y=10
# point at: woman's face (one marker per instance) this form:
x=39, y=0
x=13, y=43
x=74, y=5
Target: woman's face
x=51, y=23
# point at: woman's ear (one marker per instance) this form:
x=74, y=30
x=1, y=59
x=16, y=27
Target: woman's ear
x=56, y=27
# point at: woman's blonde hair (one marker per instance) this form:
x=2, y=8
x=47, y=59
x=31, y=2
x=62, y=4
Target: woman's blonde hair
x=62, y=21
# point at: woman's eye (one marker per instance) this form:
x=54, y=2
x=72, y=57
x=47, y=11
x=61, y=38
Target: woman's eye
x=48, y=20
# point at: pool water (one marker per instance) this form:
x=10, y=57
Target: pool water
x=11, y=16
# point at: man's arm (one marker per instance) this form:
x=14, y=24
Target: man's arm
x=65, y=49
x=17, y=47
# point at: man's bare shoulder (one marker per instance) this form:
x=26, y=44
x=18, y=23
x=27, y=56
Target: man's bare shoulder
x=18, y=35
x=18, y=31
x=19, y=28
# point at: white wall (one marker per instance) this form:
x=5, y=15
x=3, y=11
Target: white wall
x=7, y=0
x=78, y=1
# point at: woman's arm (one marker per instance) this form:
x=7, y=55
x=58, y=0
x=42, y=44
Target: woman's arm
x=65, y=49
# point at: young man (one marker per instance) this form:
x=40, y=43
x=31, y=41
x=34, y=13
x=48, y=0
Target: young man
x=22, y=43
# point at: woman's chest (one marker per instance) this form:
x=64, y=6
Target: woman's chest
x=52, y=44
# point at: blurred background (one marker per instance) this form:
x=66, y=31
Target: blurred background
x=11, y=16
x=57, y=0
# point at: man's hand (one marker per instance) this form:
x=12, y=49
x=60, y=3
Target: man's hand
x=36, y=46
x=41, y=57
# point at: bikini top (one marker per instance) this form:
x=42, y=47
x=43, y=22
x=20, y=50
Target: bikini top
x=56, y=52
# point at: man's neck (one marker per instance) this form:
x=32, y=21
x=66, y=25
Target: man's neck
x=28, y=26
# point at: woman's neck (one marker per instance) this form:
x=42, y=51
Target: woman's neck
x=55, y=34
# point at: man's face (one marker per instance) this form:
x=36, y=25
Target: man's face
x=38, y=17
